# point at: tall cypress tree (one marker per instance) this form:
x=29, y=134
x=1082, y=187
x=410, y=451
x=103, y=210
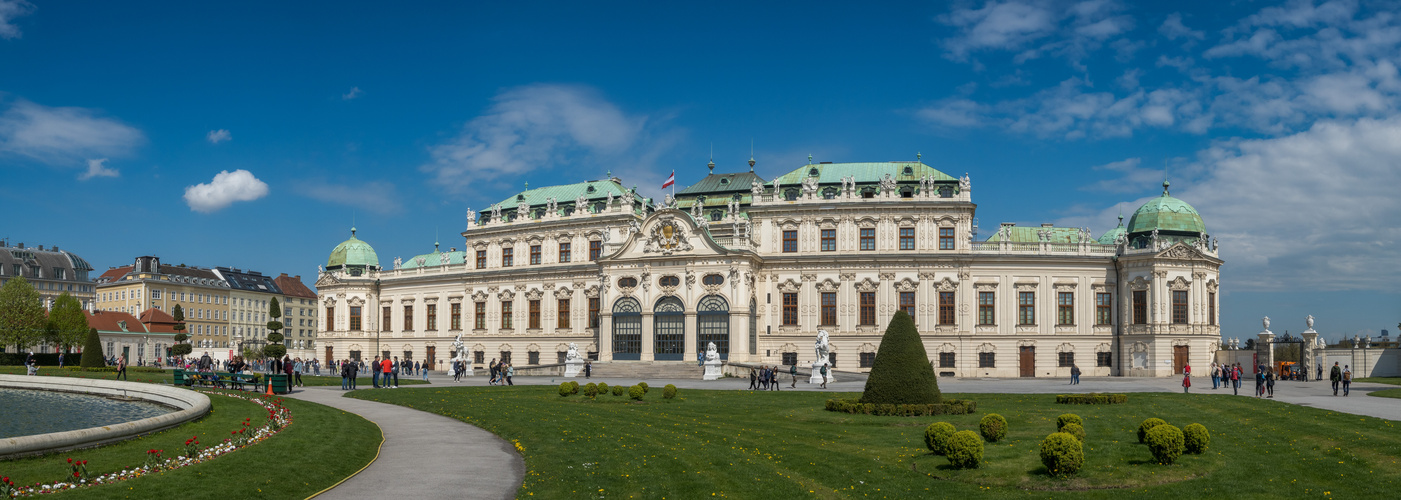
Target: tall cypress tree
x=92, y=351
x=901, y=373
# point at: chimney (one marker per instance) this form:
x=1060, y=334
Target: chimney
x=1047, y=224
x=21, y=245
x=39, y=247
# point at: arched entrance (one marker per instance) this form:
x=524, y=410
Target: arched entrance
x=669, y=329
x=713, y=324
x=627, y=329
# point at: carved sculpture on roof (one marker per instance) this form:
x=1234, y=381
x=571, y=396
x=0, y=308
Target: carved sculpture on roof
x=522, y=210
x=696, y=209
x=398, y=262
x=627, y=198
x=420, y=260
x=496, y=212
x=1309, y=321
x=756, y=189
x=444, y=259
x=471, y=217
x=810, y=187
x=634, y=227
x=667, y=236
x=670, y=201
x=551, y=206
x=887, y=183
x=1266, y=322
x=734, y=208
x=777, y=188
x=581, y=204
x=610, y=200
x=965, y=184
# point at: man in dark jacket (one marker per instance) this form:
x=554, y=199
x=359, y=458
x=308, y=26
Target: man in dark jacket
x=1336, y=376
x=354, y=371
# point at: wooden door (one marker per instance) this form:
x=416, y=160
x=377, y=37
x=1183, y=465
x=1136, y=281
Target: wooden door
x=1028, y=361
x=432, y=350
x=329, y=355
x=1179, y=358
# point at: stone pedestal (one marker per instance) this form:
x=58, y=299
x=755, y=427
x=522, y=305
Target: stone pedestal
x=1265, y=348
x=817, y=373
x=1310, y=350
x=466, y=371
x=712, y=370
x=573, y=367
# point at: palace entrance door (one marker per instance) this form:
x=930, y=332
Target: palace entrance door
x=1179, y=358
x=1028, y=361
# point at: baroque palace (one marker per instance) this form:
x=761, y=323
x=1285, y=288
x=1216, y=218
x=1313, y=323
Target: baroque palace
x=759, y=267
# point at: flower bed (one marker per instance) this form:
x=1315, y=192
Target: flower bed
x=1093, y=398
x=948, y=407
x=278, y=419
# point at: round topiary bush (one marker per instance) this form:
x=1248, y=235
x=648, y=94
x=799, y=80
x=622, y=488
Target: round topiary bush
x=591, y=390
x=565, y=389
x=993, y=427
x=573, y=387
x=1074, y=429
x=1062, y=453
x=1166, y=443
x=602, y=388
x=618, y=390
x=965, y=450
x=937, y=436
x=644, y=387
x=901, y=373
x=1068, y=418
x=1148, y=424
x=1196, y=438
x=669, y=392
x=636, y=392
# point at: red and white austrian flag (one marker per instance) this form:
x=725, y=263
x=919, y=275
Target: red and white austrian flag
x=670, y=180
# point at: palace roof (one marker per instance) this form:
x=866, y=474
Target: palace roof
x=870, y=172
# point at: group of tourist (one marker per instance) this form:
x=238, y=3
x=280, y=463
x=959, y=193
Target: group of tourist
x=501, y=373
x=383, y=371
x=1340, y=376
x=766, y=378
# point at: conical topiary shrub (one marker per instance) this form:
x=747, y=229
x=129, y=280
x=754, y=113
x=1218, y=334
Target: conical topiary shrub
x=92, y=351
x=901, y=373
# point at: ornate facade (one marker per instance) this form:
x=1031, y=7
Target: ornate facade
x=758, y=267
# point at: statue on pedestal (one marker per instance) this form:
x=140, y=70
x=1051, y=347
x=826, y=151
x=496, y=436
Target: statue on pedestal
x=712, y=353
x=822, y=347
x=711, y=362
x=1309, y=322
x=573, y=362
x=1266, y=321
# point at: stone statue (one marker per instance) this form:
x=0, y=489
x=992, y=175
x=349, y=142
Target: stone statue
x=627, y=199
x=398, y=262
x=420, y=260
x=610, y=200
x=551, y=206
x=573, y=353
x=777, y=188
x=1309, y=322
x=756, y=189
x=810, y=187
x=459, y=347
x=670, y=201
x=471, y=217
x=696, y=209
x=965, y=184
x=734, y=208
x=581, y=204
x=1155, y=236
x=822, y=348
x=1266, y=321
x=496, y=212
x=522, y=210
x=712, y=353
x=634, y=227
x=320, y=270
x=443, y=259
x=887, y=184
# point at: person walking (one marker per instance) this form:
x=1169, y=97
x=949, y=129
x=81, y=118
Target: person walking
x=794, y=372
x=1186, y=382
x=1235, y=379
x=1270, y=383
x=1074, y=374
x=510, y=372
x=1347, y=379
x=345, y=378
x=354, y=373
x=423, y=371
x=1215, y=375
x=288, y=370
x=773, y=378
x=588, y=370
x=1320, y=371
x=493, y=367
x=121, y=368
x=1336, y=376
x=390, y=370
x=1259, y=381
x=824, y=376
x=753, y=379
x=297, y=367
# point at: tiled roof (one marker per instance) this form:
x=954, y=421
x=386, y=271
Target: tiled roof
x=110, y=321
x=832, y=173
x=1031, y=234
x=292, y=286
x=250, y=281
x=154, y=315
x=722, y=183
x=114, y=274
x=564, y=194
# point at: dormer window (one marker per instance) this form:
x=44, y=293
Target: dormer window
x=946, y=192
x=907, y=192
x=591, y=189
x=868, y=193
x=790, y=195
x=520, y=197
x=812, y=172
x=724, y=181
x=737, y=197
x=829, y=193
x=909, y=170
x=716, y=215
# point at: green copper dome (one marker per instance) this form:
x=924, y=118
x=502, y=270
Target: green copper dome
x=353, y=254
x=1166, y=214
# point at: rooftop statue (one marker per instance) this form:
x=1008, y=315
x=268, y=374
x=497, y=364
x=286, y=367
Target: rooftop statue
x=756, y=189
x=471, y=217
x=1309, y=321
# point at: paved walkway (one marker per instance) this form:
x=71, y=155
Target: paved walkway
x=424, y=455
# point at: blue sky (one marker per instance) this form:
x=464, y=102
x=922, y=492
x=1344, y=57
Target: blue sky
x=252, y=134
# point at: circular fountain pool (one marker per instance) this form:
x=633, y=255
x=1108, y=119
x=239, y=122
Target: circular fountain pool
x=28, y=412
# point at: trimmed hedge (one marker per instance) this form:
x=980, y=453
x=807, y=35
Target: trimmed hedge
x=565, y=389
x=644, y=387
x=1068, y=418
x=603, y=388
x=44, y=359
x=92, y=351
x=993, y=427
x=1166, y=443
x=618, y=390
x=636, y=392
x=901, y=373
x=1093, y=398
x=591, y=390
x=1196, y=438
x=937, y=436
x=948, y=407
x=1146, y=425
x=1062, y=454
x=573, y=387
x=1074, y=429
x=669, y=392
x=113, y=369
x=965, y=450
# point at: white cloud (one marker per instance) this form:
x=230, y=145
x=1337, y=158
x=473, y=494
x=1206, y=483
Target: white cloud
x=218, y=136
x=998, y=25
x=539, y=127
x=352, y=94
x=9, y=10
x=1036, y=28
x=226, y=188
x=64, y=136
x=378, y=197
x=1173, y=29
x=97, y=168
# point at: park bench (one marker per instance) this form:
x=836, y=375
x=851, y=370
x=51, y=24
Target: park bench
x=217, y=379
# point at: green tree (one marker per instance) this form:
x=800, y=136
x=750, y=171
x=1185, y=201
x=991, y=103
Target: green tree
x=274, y=312
x=68, y=325
x=901, y=373
x=274, y=349
x=181, y=348
x=92, y=351
x=22, y=321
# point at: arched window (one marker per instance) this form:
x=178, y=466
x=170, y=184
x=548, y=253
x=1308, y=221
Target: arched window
x=716, y=215
x=790, y=195
x=869, y=192
x=907, y=192
x=829, y=193
x=946, y=192
x=669, y=329
x=713, y=324
x=627, y=329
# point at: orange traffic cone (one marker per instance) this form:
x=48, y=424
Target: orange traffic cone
x=269, y=385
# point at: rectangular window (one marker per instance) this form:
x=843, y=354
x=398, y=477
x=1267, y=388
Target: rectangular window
x=408, y=318
x=946, y=308
x=481, y=259
x=479, y=357
x=946, y=238
x=534, y=255
x=508, y=257
x=1104, y=309
x=330, y=318
x=829, y=308
x=1211, y=308
x=1179, y=307
x=505, y=356
x=790, y=358
x=868, y=238
x=593, y=312
x=564, y=252
x=987, y=308
x=987, y=360
x=907, y=238
x=354, y=318
x=790, y=241
x=907, y=303
x=1065, y=308
x=1104, y=359
x=868, y=308
x=866, y=359
x=595, y=249
x=479, y=316
x=432, y=317
x=829, y=240
x=534, y=317
x=1065, y=359
x=790, y=309
x=506, y=313
x=1026, y=308
x=563, y=313
x=383, y=322
x=455, y=319
x=532, y=358
x=1140, y=307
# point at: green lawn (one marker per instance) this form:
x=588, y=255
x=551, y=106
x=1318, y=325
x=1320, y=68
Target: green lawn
x=166, y=377
x=1380, y=380
x=783, y=445
x=1387, y=393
